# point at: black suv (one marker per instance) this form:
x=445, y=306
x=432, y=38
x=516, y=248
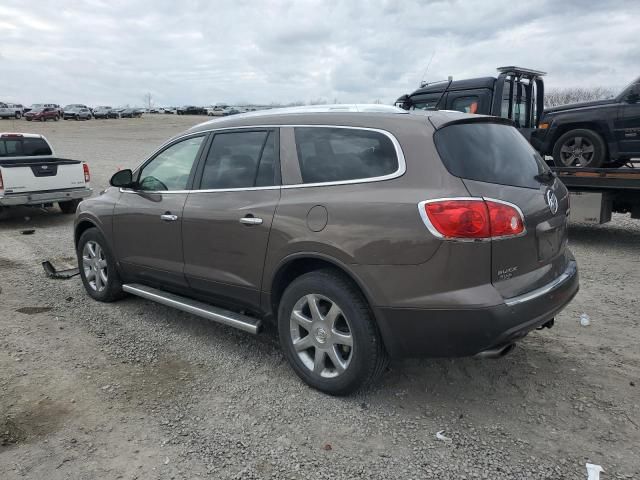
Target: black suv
x=592, y=134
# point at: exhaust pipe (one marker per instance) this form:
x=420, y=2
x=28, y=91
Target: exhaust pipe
x=496, y=352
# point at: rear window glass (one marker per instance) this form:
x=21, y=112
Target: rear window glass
x=337, y=154
x=489, y=152
x=23, y=147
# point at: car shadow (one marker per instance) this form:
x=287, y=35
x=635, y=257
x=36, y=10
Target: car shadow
x=22, y=218
x=608, y=234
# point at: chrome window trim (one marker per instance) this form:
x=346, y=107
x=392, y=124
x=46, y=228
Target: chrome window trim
x=569, y=272
x=432, y=229
x=402, y=166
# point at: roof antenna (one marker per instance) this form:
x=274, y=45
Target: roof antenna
x=422, y=82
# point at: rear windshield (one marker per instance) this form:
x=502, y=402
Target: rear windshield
x=23, y=147
x=489, y=152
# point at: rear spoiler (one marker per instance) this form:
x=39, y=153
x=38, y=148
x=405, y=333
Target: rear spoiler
x=439, y=121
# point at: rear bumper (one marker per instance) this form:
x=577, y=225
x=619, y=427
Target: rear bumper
x=459, y=332
x=37, y=198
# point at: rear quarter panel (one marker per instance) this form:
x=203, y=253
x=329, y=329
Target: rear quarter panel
x=369, y=223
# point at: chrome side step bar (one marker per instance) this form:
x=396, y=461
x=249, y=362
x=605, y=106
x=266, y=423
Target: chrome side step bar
x=226, y=317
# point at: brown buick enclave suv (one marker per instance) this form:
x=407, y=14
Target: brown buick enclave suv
x=362, y=232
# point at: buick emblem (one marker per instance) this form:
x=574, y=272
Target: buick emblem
x=552, y=201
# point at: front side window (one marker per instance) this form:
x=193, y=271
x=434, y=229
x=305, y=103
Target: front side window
x=240, y=160
x=329, y=154
x=171, y=168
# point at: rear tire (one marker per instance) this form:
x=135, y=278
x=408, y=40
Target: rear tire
x=579, y=148
x=98, y=267
x=18, y=115
x=335, y=353
x=69, y=206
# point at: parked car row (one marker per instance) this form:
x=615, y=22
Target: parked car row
x=75, y=111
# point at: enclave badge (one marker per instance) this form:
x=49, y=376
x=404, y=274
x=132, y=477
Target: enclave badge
x=552, y=201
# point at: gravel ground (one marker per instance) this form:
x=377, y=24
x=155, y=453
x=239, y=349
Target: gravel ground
x=137, y=390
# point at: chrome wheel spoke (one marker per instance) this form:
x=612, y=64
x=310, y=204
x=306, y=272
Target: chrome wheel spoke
x=91, y=275
x=99, y=284
x=303, y=343
x=86, y=262
x=318, y=361
x=312, y=301
x=339, y=364
x=332, y=315
x=298, y=317
x=341, y=338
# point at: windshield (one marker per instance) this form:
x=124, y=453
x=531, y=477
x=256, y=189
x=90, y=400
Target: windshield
x=489, y=152
x=625, y=90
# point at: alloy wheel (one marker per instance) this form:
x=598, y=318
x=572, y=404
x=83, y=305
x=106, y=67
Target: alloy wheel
x=321, y=335
x=578, y=151
x=94, y=264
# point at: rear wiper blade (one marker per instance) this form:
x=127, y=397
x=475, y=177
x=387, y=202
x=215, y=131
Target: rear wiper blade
x=545, y=177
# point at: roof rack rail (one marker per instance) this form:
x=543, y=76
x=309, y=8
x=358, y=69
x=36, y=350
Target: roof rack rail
x=526, y=72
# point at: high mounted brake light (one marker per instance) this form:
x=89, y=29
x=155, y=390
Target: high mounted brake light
x=11, y=135
x=87, y=174
x=471, y=218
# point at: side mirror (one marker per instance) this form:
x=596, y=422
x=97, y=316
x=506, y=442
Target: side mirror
x=123, y=178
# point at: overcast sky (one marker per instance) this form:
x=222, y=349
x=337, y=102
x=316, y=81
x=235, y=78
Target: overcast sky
x=191, y=52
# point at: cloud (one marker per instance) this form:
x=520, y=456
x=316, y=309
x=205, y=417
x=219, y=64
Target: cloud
x=203, y=52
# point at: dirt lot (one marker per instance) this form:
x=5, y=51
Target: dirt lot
x=137, y=390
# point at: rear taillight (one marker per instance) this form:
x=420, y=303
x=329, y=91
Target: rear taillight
x=471, y=218
x=87, y=175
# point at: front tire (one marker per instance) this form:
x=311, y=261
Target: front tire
x=18, y=115
x=98, y=267
x=580, y=148
x=328, y=334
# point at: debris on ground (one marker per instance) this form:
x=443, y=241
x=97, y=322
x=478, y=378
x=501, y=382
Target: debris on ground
x=28, y=231
x=441, y=436
x=593, y=471
x=52, y=272
x=585, y=321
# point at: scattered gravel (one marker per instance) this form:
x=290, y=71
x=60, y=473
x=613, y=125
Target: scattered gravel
x=137, y=390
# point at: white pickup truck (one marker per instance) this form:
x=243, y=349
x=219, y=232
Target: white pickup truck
x=31, y=174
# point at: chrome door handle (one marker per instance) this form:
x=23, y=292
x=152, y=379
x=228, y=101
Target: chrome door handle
x=168, y=217
x=251, y=220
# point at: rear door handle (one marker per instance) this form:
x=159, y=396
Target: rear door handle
x=167, y=217
x=251, y=220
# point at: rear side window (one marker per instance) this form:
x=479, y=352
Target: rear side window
x=24, y=147
x=338, y=154
x=466, y=104
x=240, y=160
x=489, y=152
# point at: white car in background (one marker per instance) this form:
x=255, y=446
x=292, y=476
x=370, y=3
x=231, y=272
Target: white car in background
x=31, y=174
